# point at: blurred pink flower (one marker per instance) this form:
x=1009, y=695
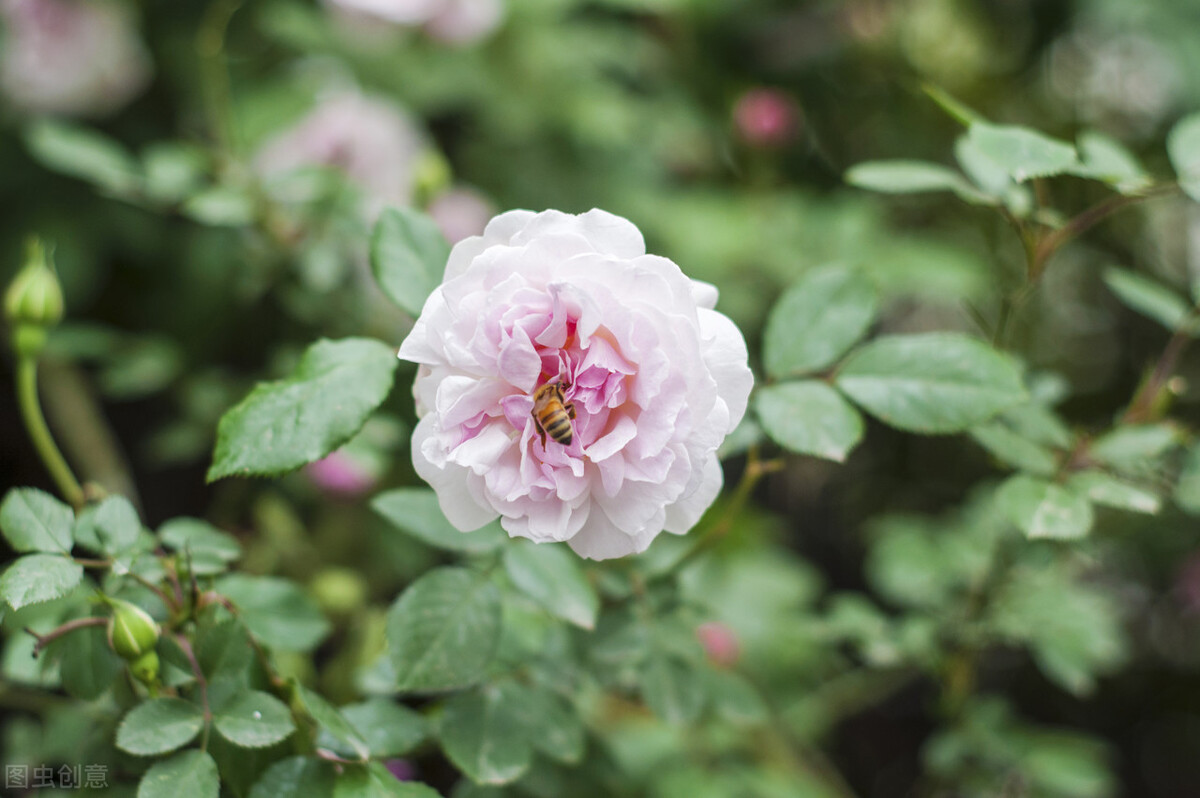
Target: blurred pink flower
x=71, y=57
x=339, y=474
x=402, y=769
x=720, y=643
x=453, y=21
x=373, y=141
x=657, y=379
x=461, y=212
x=766, y=118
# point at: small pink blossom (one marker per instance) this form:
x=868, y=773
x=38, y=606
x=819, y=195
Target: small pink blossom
x=451, y=21
x=766, y=118
x=656, y=377
x=376, y=144
x=70, y=57
x=460, y=213
x=338, y=473
x=720, y=643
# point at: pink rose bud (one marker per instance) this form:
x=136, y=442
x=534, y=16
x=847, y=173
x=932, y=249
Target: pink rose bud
x=720, y=643
x=766, y=118
x=339, y=474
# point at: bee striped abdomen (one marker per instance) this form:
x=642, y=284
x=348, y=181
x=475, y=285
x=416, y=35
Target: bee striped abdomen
x=558, y=426
x=552, y=416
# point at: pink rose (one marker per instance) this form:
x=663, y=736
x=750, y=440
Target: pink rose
x=656, y=378
x=72, y=57
x=372, y=141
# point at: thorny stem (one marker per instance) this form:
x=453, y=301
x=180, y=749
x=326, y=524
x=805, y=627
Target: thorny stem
x=39, y=433
x=1039, y=251
x=65, y=629
x=202, y=682
x=1085, y=221
x=1141, y=406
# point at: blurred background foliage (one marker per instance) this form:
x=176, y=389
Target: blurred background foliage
x=197, y=259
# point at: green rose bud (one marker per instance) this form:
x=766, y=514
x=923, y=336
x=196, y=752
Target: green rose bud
x=132, y=633
x=145, y=668
x=34, y=301
x=35, y=296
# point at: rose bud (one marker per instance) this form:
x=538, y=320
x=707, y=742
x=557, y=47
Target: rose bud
x=132, y=633
x=34, y=301
x=766, y=118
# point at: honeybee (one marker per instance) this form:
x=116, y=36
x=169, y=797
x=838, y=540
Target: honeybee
x=552, y=415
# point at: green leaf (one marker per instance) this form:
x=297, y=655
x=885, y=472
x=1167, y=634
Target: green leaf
x=1187, y=490
x=1073, y=629
x=993, y=180
x=1183, y=147
x=223, y=650
x=283, y=425
x=88, y=665
x=276, y=611
x=931, y=383
x=1042, y=509
x=35, y=578
x=1135, y=448
x=443, y=630
x=552, y=726
x=408, y=257
x=483, y=734
x=734, y=697
x=817, y=319
x=1022, y=153
x=85, y=154
x=36, y=521
x=416, y=511
x=173, y=170
x=117, y=524
x=1040, y=424
x=1013, y=449
x=908, y=177
x=1107, y=160
x=254, y=720
x=809, y=417
x=296, y=777
x=389, y=729
x=189, y=774
x=672, y=689
x=159, y=725
x=1149, y=298
x=208, y=549
x=222, y=206
x=1104, y=489
x=373, y=780
x=331, y=720
x=553, y=578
